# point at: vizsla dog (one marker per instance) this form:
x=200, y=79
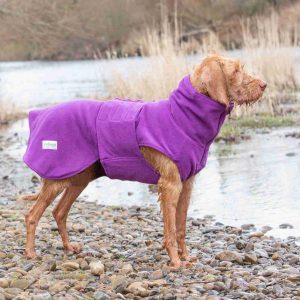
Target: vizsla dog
x=164, y=142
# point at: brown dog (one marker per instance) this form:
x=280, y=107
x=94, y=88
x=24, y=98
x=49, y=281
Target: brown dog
x=219, y=78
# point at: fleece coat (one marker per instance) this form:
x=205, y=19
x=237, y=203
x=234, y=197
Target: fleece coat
x=67, y=138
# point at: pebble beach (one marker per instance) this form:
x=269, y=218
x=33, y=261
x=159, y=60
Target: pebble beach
x=122, y=255
x=122, y=258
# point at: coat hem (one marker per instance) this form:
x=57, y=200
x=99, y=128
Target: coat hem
x=60, y=177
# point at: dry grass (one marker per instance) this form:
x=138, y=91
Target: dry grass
x=9, y=113
x=167, y=64
x=268, y=51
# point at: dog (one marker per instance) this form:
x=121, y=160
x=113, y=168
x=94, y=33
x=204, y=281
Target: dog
x=163, y=142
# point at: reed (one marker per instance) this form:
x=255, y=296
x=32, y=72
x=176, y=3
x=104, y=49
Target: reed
x=267, y=51
x=8, y=112
x=166, y=65
x=270, y=53
x=168, y=62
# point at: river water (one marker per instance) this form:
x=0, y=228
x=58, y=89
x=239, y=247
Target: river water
x=256, y=181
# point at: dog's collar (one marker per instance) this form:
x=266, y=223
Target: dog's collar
x=198, y=115
x=186, y=88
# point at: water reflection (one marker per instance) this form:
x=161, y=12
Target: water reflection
x=258, y=184
x=31, y=84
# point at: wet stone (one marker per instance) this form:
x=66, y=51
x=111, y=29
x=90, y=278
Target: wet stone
x=291, y=154
x=286, y=226
x=265, y=229
x=126, y=269
x=4, y=283
x=229, y=256
x=11, y=293
x=293, y=259
x=158, y=274
x=196, y=223
x=240, y=283
x=97, y=268
x=119, y=283
x=70, y=266
x=120, y=296
x=27, y=267
x=58, y=287
x=78, y=228
x=98, y=295
x=251, y=258
x=257, y=234
x=261, y=253
x=240, y=244
x=138, y=289
x=249, y=247
x=20, y=283
x=267, y=273
x=247, y=226
x=42, y=296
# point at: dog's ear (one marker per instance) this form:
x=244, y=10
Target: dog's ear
x=213, y=79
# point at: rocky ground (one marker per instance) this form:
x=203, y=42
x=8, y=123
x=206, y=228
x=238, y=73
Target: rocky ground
x=122, y=256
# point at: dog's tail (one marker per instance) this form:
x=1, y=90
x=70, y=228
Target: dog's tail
x=30, y=197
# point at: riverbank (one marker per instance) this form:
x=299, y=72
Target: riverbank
x=236, y=130
x=122, y=258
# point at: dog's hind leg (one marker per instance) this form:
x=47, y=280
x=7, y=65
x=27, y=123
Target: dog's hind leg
x=77, y=184
x=60, y=214
x=30, y=197
x=50, y=189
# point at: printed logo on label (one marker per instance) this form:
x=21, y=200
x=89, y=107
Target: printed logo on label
x=49, y=145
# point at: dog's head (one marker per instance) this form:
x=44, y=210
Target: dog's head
x=225, y=80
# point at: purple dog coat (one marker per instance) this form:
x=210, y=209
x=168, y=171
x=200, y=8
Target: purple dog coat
x=67, y=138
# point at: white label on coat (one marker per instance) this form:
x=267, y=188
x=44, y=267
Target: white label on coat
x=49, y=145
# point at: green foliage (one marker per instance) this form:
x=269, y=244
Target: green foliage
x=229, y=129
x=265, y=121
x=234, y=130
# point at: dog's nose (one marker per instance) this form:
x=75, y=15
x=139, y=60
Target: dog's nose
x=263, y=85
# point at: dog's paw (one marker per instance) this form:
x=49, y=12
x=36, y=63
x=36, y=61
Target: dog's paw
x=188, y=258
x=186, y=264
x=176, y=265
x=72, y=248
x=30, y=254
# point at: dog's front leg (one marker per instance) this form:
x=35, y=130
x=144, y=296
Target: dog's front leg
x=169, y=187
x=181, y=215
x=169, y=191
